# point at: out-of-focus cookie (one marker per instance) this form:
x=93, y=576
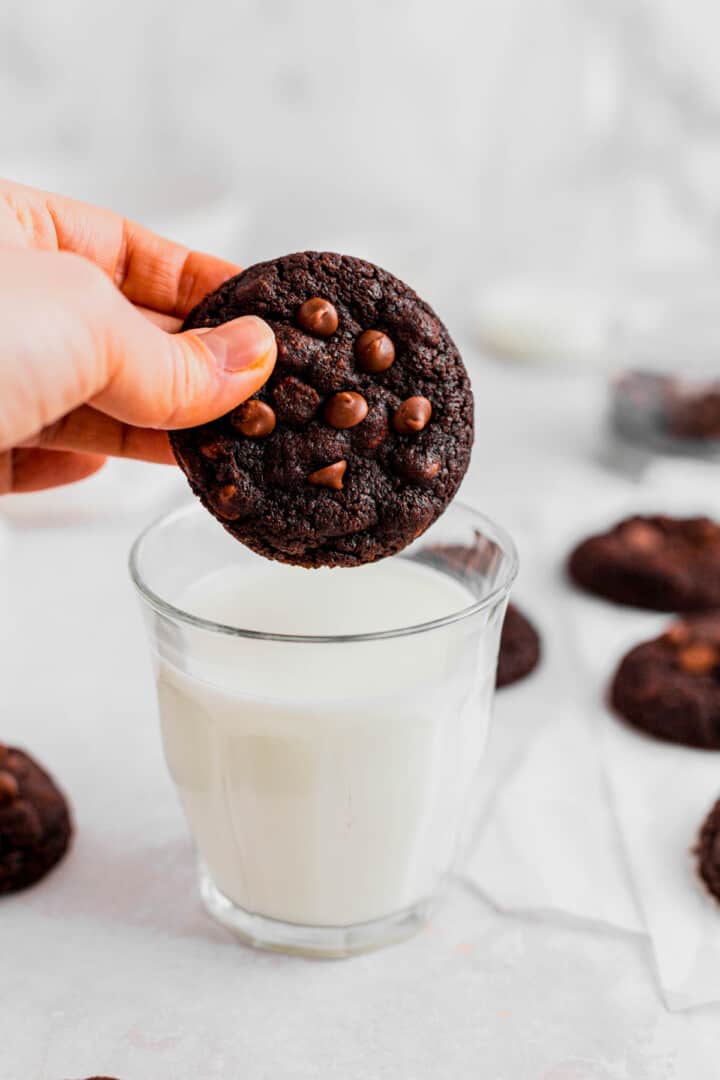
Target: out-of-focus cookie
x=519, y=648
x=657, y=562
x=35, y=825
x=707, y=851
x=670, y=687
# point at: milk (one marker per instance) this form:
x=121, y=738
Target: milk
x=325, y=783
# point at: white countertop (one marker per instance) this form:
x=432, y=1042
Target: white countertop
x=111, y=967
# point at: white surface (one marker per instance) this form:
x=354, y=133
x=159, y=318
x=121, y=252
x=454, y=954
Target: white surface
x=111, y=966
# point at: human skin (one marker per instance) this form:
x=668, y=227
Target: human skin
x=92, y=363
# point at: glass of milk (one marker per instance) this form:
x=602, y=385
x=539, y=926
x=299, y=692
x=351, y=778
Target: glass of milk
x=324, y=728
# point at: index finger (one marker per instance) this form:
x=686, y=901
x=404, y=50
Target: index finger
x=148, y=269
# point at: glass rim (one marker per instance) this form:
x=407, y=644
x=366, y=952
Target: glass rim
x=164, y=607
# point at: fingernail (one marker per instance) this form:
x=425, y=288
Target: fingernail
x=239, y=344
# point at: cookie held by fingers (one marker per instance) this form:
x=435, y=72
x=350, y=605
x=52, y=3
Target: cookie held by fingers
x=362, y=434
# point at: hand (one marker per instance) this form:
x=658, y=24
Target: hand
x=91, y=363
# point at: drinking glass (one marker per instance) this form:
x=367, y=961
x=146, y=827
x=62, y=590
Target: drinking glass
x=328, y=779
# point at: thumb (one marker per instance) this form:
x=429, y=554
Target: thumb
x=163, y=380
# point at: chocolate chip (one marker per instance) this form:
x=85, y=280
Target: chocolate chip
x=412, y=415
x=227, y=502
x=318, y=316
x=698, y=658
x=212, y=451
x=641, y=536
x=9, y=788
x=255, y=419
x=346, y=409
x=295, y=400
x=417, y=468
x=374, y=351
x=330, y=477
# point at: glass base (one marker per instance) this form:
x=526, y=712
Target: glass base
x=329, y=942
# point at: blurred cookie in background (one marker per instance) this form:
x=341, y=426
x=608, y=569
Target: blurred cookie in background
x=519, y=648
x=657, y=562
x=35, y=824
x=707, y=851
x=660, y=413
x=670, y=687
x=693, y=413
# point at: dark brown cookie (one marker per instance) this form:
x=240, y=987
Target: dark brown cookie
x=693, y=414
x=361, y=436
x=670, y=687
x=657, y=562
x=519, y=648
x=35, y=826
x=708, y=851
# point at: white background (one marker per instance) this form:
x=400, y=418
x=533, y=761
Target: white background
x=447, y=140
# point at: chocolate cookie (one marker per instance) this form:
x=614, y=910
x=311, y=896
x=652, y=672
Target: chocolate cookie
x=694, y=414
x=657, y=562
x=708, y=851
x=361, y=436
x=519, y=648
x=670, y=687
x=35, y=825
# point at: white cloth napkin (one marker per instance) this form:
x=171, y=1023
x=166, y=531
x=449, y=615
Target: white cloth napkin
x=597, y=822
